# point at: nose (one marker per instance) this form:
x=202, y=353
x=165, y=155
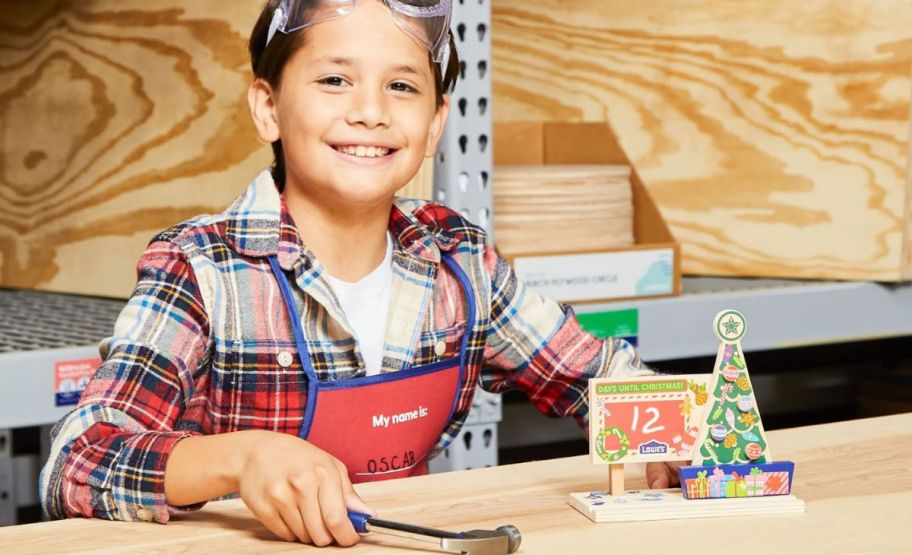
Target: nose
x=369, y=107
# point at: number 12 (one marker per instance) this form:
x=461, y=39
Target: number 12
x=649, y=427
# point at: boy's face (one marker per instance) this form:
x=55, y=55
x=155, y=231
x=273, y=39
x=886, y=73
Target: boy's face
x=356, y=109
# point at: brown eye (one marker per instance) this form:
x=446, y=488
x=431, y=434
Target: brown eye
x=333, y=81
x=399, y=86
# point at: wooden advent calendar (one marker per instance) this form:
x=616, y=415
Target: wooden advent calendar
x=710, y=420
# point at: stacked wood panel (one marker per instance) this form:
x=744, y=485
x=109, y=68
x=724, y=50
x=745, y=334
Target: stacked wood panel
x=562, y=208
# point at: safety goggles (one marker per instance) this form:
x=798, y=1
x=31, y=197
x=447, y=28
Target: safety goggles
x=427, y=21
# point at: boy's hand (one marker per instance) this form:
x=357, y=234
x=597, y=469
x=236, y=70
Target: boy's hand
x=299, y=491
x=661, y=475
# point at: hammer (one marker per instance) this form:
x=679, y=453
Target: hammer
x=503, y=540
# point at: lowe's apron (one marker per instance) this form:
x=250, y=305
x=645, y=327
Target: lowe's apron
x=381, y=426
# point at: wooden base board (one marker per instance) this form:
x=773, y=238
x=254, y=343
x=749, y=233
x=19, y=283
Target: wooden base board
x=668, y=504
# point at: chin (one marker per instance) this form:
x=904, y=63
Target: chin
x=365, y=197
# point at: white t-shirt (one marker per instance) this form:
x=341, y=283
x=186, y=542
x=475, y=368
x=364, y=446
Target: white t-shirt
x=365, y=304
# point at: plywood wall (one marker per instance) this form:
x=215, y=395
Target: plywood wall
x=118, y=118
x=773, y=134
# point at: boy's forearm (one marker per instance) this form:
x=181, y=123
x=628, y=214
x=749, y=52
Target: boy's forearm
x=201, y=468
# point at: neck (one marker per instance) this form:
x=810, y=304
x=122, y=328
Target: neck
x=350, y=241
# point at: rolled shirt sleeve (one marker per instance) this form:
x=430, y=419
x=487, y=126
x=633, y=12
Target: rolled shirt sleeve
x=108, y=456
x=537, y=346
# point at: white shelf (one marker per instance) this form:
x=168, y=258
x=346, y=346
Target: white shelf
x=780, y=314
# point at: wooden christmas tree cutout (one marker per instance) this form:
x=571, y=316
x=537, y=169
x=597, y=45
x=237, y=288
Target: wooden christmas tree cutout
x=712, y=421
x=731, y=431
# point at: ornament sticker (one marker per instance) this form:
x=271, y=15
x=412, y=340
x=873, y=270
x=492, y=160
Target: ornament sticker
x=654, y=418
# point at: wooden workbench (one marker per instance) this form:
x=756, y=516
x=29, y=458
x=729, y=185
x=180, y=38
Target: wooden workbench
x=855, y=476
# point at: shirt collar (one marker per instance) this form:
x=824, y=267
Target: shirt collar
x=259, y=225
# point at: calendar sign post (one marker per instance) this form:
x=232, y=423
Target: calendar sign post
x=655, y=418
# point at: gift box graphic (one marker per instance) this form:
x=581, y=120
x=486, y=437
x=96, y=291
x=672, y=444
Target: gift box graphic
x=736, y=487
x=777, y=483
x=756, y=482
x=717, y=483
x=737, y=480
x=697, y=488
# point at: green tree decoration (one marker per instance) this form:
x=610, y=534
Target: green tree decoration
x=731, y=431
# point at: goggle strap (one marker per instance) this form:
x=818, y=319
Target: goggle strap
x=446, y=59
x=278, y=20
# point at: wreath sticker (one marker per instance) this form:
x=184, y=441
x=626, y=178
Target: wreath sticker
x=612, y=456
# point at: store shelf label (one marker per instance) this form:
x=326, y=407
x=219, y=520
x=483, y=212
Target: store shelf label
x=71, y=378
x=623, y=324
x=599, y=276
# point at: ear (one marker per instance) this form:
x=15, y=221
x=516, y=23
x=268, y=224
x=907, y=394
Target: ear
x=438, y=124
x=262, y=100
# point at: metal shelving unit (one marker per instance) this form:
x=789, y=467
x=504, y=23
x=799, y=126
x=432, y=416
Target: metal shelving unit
x=462, y=181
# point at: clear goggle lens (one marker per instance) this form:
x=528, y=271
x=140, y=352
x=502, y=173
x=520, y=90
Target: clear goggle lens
x=427, y=21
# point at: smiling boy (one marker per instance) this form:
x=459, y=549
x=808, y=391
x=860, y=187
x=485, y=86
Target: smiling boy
x=319, y=327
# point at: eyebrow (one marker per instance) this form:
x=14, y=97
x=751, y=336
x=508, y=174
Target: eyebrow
x=341, y=61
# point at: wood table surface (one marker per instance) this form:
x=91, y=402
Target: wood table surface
x=856, y=477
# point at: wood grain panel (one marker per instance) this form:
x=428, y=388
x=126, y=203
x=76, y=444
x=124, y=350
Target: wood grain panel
x=118, y=118
x=773, y=135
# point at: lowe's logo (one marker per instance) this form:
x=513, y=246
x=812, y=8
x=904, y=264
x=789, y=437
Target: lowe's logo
x=653, y=448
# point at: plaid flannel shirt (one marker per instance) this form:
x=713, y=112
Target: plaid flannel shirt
x=195, y=349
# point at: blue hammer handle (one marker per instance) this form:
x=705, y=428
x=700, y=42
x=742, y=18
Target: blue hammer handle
x=359, y=521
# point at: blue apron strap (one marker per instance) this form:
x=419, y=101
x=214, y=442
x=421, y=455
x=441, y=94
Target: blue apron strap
x=470, y=323
x=300, y=344
x=470, y=298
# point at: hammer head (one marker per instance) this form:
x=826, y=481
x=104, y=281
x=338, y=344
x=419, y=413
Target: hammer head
x=503, y=540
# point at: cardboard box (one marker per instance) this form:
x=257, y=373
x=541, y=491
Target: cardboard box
x=649, y=268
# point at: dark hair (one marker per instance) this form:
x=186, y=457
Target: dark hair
x=268, y=62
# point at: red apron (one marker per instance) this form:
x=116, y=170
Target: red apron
x=381, y=426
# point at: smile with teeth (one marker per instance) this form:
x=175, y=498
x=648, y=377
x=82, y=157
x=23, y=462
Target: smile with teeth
x=362, y=151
